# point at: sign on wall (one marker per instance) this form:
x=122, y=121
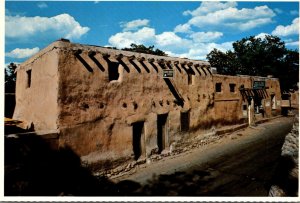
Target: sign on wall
x=278, y=103
x=259, y=85
x=169, y=73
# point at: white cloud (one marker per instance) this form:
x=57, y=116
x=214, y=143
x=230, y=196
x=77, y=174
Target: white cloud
x=278, y=10
x=62, y=25
x=171, y=40
x=125, y=39
x=209, y=6
x=199, y=50
x=291, y=43
x=250, y=24
x=197, y=46
x=135, y=24
x=22, y=53
x=226, y=15
x=206, y=36
x=294, y=12
x=184, y=41
x=243, y=19
x=42, y=5
x=184, y=28
x=262, y=35
x=292, y=29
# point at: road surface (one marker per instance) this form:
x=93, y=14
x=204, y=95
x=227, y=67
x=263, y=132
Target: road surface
x=240, y=164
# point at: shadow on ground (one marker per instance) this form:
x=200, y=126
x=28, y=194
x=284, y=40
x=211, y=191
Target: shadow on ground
x=33, y=168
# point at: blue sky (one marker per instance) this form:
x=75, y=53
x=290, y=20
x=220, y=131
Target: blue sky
x=183, y=29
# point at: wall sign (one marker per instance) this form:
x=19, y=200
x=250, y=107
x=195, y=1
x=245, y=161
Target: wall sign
x=258, y=85
x=169, y=73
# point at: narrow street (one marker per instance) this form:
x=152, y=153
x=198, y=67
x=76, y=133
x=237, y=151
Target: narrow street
x=240, y=164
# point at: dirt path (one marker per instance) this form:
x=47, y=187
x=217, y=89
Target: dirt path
x=242, y=163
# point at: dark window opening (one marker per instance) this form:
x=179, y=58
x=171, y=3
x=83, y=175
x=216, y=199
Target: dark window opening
x=162, y=134
x=232, y=87
x=185, y=121
x=218, y=87
x=285, y=96
x=257, y=104
x=28, y=78
x=137, y=141
x=244, y=107
x=113, y=71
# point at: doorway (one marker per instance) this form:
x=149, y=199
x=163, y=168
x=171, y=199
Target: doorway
x=138, y=139
x=162, y=132
x=185, y=121
x=273, y=100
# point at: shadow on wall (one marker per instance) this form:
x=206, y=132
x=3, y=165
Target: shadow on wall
x=179, y=100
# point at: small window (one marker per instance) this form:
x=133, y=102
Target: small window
x=232, y=87
x=218, y=87
x=113, y=71
x=190, y=79
x=28, y=78
x=244, y=107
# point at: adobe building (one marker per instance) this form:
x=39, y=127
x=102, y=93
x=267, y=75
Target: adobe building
x=112, y=106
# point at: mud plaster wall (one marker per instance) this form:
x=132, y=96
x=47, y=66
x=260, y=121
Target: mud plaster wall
x=96, y=115
x=273, y=88
x=228, y=105
x=295, y=99
x=37, y=104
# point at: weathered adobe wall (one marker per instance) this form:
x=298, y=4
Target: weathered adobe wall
x=229, y=104
x=71, y=90
x=273, y=88
x=37, y=103
x=295, y=99
x=96, y=115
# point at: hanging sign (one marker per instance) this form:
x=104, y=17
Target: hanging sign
x=258, y=85
x=168, y=73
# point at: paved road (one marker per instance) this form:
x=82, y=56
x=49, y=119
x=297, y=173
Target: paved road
x=240, y=164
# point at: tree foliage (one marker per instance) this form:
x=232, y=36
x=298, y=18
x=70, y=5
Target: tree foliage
x=10, y=78
x=260, y=57
x=143, y=49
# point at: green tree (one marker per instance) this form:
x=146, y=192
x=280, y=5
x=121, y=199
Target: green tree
x=10, y=78
x=260, y=57
x=143, y=49
x=289, y=73
x=226, y=63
